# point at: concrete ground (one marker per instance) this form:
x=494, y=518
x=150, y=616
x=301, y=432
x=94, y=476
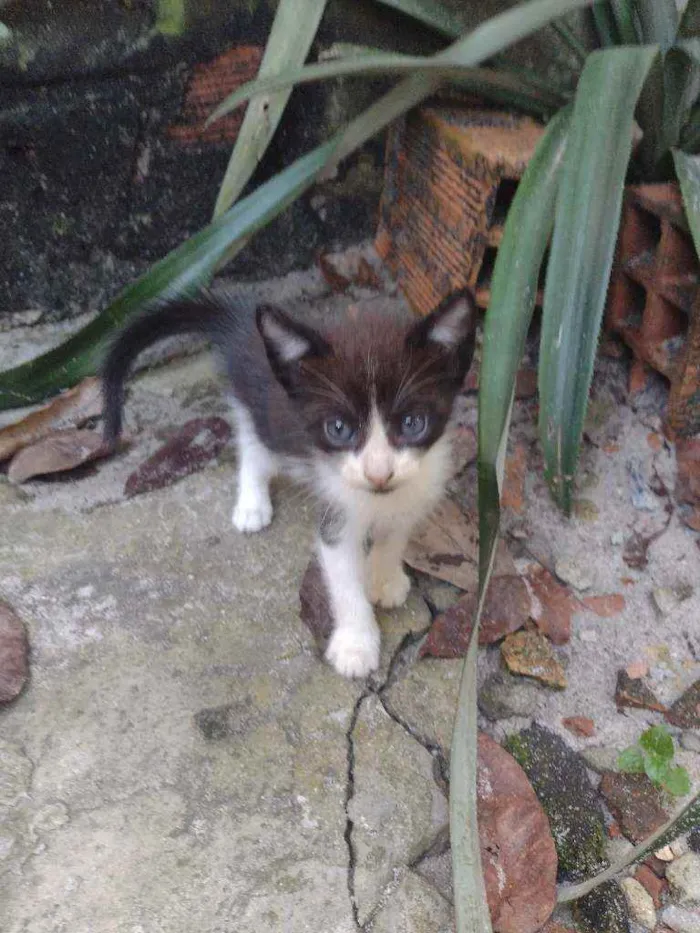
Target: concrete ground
x=181, y=759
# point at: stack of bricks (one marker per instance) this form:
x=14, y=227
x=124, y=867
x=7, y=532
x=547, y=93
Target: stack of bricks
x=451, y=174
x=654, y=299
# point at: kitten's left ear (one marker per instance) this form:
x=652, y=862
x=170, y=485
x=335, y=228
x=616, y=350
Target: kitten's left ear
x=449, y=328
x=287, y=342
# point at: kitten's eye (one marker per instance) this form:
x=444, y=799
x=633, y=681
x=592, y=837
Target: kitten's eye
x=339, y=432
x=414, y=427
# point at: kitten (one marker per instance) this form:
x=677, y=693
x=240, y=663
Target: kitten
x=361, y=413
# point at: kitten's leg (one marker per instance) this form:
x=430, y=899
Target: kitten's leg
x=388, y=583
x=353, y=649
x=256, y=467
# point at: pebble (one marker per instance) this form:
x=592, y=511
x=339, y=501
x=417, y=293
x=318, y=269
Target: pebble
x=691, y=741
x=617, y=539
x=665, y=599
x=680, y=920
x=642, y=497
x=640, y=903
x=599, y=758
x=665, y=854
x=683, y=875
x=570, y=570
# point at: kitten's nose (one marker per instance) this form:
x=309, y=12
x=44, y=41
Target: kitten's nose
x=379, y=478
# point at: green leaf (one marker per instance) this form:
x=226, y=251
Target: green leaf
x=514, y=288
x=689, y=26
x=681, y=89
x=657, y=742
x=431, y=14
x=623, y=13
x=677, y=782
x=293, y=30
x=605, y=24
x=656, y=768
x=687, y=819
x=587, y=217
x=688, y=172
x=631, y=760
x=658, y=22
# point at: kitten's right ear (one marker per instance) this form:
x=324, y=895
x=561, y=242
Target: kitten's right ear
x=287, y=343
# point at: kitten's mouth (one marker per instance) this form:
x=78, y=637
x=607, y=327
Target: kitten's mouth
x=381, y=490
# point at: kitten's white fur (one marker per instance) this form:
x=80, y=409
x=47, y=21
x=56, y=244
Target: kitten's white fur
x=355, y=581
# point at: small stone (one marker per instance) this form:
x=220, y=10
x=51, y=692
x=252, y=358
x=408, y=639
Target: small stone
x=604, y=910
x=554, y=605
x=664, y=854
x=439, y=594
x=617, y=539
x=639, y=903
x=634, y=693
x=642, y=497
x=634, y=802
x=14, y=654
x=573, y=571
x=685, y=712
x=681, y=920
x=665, y=599
x=579, y=725
x=652, y=884
x=683, y=875
x=502, y=696
x=530, y=654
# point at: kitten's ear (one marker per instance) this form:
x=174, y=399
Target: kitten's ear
x=287, y=342
x=448, y=326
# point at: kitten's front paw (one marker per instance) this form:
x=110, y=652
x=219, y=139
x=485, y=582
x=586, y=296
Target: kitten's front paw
x=392, y=591
x=354, y=652
x=251, y=516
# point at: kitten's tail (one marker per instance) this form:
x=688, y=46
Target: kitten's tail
x=203, y=315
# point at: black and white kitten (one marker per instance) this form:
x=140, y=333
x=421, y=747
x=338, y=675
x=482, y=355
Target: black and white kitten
x=360, y=412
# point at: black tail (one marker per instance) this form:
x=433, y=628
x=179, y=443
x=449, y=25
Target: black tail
x=203, y=315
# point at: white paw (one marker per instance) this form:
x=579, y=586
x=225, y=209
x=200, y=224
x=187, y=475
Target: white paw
x=250, y=516
x=354, y=652
x=392, y=591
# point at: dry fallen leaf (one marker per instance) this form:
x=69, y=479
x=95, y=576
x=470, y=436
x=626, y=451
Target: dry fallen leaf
x=517, y=850
x=71, y=409
x=64, y=450
x=446, y=546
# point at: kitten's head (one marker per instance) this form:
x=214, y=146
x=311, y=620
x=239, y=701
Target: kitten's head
x=375, y=395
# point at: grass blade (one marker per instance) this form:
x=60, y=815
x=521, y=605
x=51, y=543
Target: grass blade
x=658, y=21
x=293, y=30
x=688, y=172
x=431, y=14
x=513, y=297
x=688, y=818
x=587, y=217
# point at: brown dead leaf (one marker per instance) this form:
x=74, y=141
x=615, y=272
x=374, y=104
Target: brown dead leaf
x=71, y=409
x=517, y=850
x=57, y=453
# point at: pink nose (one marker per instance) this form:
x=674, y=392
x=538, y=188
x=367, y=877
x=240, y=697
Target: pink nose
x=377, y=479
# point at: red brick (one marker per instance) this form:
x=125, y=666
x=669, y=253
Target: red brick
x=654, y=885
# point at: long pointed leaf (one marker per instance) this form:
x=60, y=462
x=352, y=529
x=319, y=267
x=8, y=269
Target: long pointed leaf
x=624, y=19
x=688, y=818
x=514, y=286
x=293, y=30
x=689, y=27
x=658, y=21
x=688, y=172
x=605, y=24
x=587, y=217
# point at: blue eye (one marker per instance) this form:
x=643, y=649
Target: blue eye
x=414, y=427
x=339, y=432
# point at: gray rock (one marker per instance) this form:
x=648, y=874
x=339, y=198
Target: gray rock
x=502, y=696
x=414, y=907
x=437, y=871
x=680, y=919
x=426, y=698
x=683, y=875
x=639, y=903
x=691, y=741
x=560, y=780
x=440, y=594
x=573, y=570
x=396, y=808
